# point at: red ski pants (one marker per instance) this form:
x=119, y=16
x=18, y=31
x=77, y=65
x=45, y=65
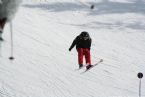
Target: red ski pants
x=84, y=52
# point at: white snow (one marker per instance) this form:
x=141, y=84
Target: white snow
x=43, y=66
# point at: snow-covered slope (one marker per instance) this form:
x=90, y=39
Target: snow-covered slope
x=43, y=66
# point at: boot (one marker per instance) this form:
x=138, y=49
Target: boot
x=80, y=66
x=88, y=67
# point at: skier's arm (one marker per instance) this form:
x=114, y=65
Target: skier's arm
x=90, y=43
x=73, y=43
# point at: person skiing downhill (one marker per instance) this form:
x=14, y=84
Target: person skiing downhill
x=83, y=46
x=8, y=9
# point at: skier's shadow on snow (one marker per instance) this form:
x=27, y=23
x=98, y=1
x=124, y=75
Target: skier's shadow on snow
x=105, y=7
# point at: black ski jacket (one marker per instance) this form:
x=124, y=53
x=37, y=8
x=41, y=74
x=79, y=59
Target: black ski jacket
x=81, y=42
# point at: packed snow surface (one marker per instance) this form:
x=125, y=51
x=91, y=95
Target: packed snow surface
x=43, y=31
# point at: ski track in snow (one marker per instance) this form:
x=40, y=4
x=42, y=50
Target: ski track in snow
x=43, y=66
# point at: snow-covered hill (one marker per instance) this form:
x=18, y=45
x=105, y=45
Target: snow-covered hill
x=43, y=66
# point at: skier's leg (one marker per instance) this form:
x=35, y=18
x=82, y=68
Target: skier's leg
x=87, y=56
x=1, y=39
x=2, y=24
x=88, y=59
x=80, y=56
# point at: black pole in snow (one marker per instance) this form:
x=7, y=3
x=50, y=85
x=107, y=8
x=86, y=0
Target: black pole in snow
x=140, y=76
x=11, y=31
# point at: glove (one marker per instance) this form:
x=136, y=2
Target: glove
x=69, y=49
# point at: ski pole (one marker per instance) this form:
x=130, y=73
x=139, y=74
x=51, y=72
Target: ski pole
x=140, y=76
x=11, y=31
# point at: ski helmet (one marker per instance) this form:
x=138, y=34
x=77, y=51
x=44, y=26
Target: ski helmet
x=84, y=34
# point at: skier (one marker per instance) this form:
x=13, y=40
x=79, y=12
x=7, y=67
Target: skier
x=8, y=9
x=83, y=45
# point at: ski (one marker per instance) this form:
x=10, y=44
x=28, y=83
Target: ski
x=100, y=61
